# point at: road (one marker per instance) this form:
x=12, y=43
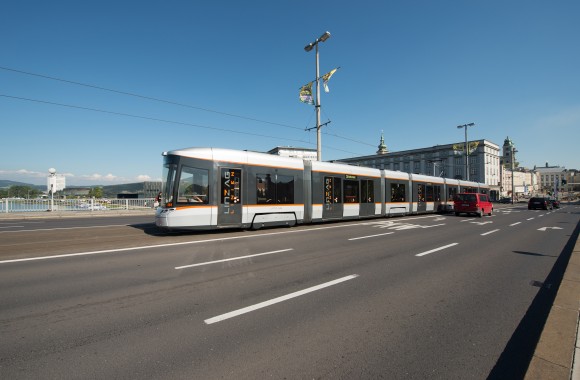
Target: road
x=415, y=297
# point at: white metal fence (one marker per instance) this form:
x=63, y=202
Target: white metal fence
x=96, y=205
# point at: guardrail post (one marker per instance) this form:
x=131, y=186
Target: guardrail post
x=6, y=204
x=126, y=204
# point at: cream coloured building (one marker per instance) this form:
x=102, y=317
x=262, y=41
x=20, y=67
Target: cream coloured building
x=441, y=161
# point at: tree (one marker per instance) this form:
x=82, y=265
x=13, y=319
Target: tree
x=96, y=192
x=19, y=191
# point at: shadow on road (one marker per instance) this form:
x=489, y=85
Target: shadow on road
x=516, y=356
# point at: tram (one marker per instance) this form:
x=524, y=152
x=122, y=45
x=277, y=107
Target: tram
x=212, y=188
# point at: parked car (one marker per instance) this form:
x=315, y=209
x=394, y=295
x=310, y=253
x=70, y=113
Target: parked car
x=539, y=203
x=472, y=203
x=555, y=203
x=505, y=200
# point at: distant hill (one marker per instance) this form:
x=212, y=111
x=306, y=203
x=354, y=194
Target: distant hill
x=6, y=183
x=109, y=190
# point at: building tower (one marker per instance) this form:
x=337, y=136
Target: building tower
x=508, y=149
x=382, y=147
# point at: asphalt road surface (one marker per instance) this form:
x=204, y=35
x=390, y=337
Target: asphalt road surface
x=431, y=296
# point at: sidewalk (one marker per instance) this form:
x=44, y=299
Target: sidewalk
x=557, y=354
x=74, y=214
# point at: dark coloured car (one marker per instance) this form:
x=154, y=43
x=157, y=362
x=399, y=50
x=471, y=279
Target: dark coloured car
x=505, y=200
x=539, y=203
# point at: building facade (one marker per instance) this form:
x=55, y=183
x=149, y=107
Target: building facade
x=525, y=183
x=441, y=161
x=553, y=179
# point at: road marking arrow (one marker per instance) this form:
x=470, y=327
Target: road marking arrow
x=547, y=228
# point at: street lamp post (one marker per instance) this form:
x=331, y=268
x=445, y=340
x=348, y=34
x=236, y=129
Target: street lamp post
x=466, y=148
x=52, y=183
x=512, y=165
x=309, y=47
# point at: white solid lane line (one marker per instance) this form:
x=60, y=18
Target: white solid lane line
x=233, y=258
x=174, y=244
x=370, y=236
x=436, y=249
x=273, y=301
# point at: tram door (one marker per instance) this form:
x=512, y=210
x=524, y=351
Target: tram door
x=333, y=206
x=421, y=204
x=230, y=200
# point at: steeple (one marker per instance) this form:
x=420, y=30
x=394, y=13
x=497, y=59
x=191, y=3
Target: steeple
x=382, y=147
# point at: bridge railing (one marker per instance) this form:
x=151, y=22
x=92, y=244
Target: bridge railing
x=74, y=205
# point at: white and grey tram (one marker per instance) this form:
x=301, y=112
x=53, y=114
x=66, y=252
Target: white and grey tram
x=209, y=188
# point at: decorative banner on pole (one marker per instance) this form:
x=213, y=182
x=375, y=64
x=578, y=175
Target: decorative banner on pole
x=306, y=94
x=458, y=148
x=473, y=146
x=326, y=78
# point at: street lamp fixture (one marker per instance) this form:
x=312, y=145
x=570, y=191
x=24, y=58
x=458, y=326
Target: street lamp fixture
x=322, y=38
x=309, y=47
x=466, y=148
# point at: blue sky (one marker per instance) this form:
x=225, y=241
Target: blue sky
x=413, y=69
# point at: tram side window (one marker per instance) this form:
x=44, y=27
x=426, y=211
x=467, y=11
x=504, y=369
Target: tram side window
x=367, y=191
x=430, y=194
x=275, y=189
x=265, y=188
x=437, y=193
x=452, y=192
x=398, y=192
x=193, y=186
x=285, y=189
x=332, y=190
x=351, y=191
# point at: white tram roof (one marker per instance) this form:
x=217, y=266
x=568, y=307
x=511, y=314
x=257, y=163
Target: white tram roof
x=240, y=157
x=330, y=167
x=425, y=178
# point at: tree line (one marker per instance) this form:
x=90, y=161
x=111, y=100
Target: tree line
x=27, y=192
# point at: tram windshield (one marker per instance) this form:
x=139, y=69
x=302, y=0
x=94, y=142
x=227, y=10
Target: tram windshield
x=168, y=181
